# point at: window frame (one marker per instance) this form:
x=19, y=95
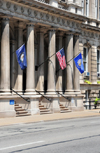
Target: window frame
x=85, y=61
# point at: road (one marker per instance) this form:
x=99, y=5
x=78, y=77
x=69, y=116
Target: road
x=81, y=135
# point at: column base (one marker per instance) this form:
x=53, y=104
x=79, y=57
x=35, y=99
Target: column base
x=5, y=92
x=51, y=92
x=30, y=92
x=72, y=92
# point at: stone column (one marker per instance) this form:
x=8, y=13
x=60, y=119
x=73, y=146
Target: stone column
x=0, y=54
x=59, y=73
x=84, y=7
x=30, y=75
x=20, y=43
x=69, y=57
x=51, y=64
x=13, y=59
x=76, y=71
x=5, y=56
x=92, y=9
x=40, y=85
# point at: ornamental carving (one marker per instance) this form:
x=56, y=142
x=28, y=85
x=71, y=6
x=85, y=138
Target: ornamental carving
x=47, y=16
x=8, y=5
x=58, y=20
x=68, y=22
x=63, y=21
x=22, y=9
x=15, y=7
x=92, y=35
x=52, y=18
x=41, y=15
x=35, y=13
x=96, y=34
x=73, y=24
x=29, y=11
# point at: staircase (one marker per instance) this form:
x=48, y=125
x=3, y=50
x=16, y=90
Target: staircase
x=64, y=109
x=20, y=111
x=44, y=110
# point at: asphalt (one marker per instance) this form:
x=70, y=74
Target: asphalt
x=49, y=117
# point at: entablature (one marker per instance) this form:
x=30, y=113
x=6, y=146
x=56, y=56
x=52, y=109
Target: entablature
x=43, y=17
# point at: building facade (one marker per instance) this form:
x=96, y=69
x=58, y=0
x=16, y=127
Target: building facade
x=45, y=26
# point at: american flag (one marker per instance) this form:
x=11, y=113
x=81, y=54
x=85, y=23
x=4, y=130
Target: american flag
x=61, y=58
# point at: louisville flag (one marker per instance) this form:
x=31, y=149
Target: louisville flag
x=79, y=63
x=61, y=58
x=21, y=57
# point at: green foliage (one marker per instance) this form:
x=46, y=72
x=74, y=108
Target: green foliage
x=87, y=81
x=98, y=82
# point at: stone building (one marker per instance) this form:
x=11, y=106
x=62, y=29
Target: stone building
x=45, y=26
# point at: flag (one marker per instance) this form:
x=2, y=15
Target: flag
x=79, y=63
x=61, y=58
x=21, y=57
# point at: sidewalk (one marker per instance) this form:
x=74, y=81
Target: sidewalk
x=49, y=117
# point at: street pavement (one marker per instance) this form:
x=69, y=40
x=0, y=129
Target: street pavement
x=77, y=135
x=49, y=117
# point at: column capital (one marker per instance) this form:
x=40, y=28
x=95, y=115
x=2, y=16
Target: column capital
x=53, y=29
x=31, y=24
x=20, y=24
x=60, y=33
x=69, y=33
x=41, y=30
x=6, y=18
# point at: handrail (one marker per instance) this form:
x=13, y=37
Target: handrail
x=63, y=96
x=28, y=100
x=43, y=95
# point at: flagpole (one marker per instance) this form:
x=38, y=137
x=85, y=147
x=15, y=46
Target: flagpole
x=69, y=61
x=18, y=48
x=36, y=67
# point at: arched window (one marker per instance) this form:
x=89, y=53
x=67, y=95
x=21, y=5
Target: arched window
x=85, y=59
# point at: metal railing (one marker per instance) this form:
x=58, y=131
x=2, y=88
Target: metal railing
x=28, y=100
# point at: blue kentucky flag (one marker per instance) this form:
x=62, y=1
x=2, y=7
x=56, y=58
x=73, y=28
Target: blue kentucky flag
x=21, y=57
x=79, y=63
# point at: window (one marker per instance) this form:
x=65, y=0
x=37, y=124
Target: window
x=85, y=59
x=98, y=61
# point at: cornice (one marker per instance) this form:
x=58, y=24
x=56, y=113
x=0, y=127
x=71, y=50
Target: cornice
x=47, y=7
x=38, y=16
x=90, y=27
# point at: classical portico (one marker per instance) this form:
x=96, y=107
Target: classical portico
x=43, y=34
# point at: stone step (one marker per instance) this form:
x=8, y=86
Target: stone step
x=41, y=105
x=16, y=104
x=64, y=108
x=41, y=113
x=19, y=115
x=21, y=112
x=65, y=111
x=18, y=107
x=42, y=108
x=45, y=110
